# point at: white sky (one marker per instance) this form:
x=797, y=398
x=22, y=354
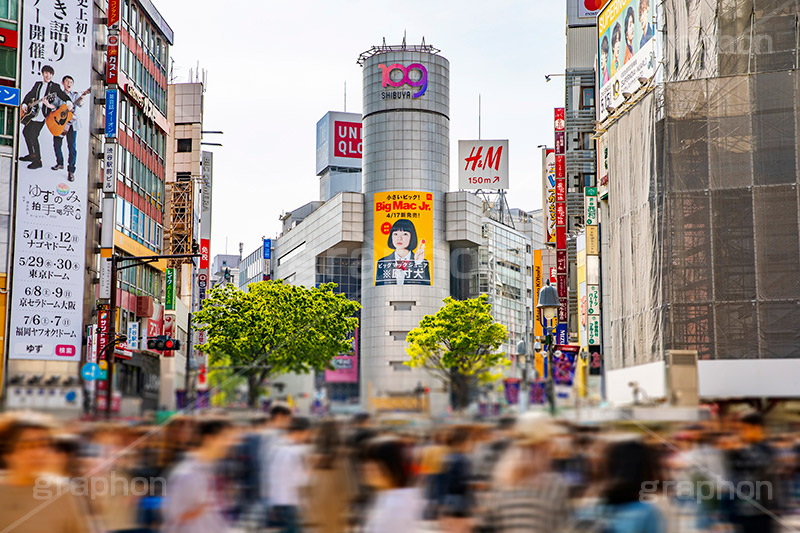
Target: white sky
x=274, y=68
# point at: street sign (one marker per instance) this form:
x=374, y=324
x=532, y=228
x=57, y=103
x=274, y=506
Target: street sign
x=90, y=371
x=9, y=96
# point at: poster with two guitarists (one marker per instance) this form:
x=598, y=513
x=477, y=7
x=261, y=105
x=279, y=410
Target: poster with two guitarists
x=53, y=180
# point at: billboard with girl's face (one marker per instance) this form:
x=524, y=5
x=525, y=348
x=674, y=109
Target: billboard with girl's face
x=626, y=50
x=403, y=238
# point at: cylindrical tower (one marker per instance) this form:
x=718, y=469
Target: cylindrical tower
x=406, y=259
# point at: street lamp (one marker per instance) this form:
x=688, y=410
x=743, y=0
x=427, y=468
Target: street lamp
x=549, y=304
x=522, y=352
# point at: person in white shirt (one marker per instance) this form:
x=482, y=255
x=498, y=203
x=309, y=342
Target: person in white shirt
x=288, y=476
x=193, y=503
x=398, y=505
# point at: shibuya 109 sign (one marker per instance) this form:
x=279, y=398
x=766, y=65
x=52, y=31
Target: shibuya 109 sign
x=483, y=164
x=414, y=75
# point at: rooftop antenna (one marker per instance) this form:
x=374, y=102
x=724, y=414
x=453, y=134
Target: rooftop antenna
x=479, y=116
x=197, y=72
x=404, y=39
x=423, y=41
x=384, y=42
x=241, y=250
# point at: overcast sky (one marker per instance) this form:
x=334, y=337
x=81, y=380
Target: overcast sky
x=274, y=68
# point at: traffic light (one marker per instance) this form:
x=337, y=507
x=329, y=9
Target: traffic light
x=163, y=343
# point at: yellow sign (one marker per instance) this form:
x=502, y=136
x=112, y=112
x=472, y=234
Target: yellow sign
x=103, y=364
x=403, y=238
x=592, y=241
x=537, y=286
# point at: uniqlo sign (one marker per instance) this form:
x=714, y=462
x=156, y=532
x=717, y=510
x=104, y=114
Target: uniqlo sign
x=347, y=139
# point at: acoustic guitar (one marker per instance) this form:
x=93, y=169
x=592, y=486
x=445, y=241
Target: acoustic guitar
x=33, y=108
x=58, y=119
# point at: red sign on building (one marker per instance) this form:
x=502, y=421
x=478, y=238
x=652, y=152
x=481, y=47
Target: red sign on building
x=205, y=251
x=347, y=139
x=113, y=14
x=112, y=59
x=8, y=38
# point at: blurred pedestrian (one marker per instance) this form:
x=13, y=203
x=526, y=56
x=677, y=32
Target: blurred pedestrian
x=458, y=501
x=330, y=487
x=754, y=484
x=528, y=496
x=627, y=498
x=193, y=503
x=398, y=505
x=288, y=476
x=31, y=498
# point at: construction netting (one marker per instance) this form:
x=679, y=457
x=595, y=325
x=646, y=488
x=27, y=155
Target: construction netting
x=704, y=240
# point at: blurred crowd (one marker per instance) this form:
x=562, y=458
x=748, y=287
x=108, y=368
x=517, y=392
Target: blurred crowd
x=286, y=473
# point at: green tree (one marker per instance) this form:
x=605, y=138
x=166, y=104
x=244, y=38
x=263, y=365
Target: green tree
x=458, y=345
x=276, y=328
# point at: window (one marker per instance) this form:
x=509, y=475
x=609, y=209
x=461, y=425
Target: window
x=587, y=97
x=8, y=9
x=184, y=145
x=587, y=143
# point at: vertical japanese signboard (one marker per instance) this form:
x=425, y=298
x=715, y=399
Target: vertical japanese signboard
x=403, y=238
x=112, y=60
x=538, y=281
x=593, y=286
x=267, y=249
x=206, y=174
x=559, y=124
x=549, y=179
x=169, y=290
x=51, y=212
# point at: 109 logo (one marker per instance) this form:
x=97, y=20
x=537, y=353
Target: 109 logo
x=422, y=82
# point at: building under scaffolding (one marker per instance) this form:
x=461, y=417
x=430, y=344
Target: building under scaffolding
x=701, y=236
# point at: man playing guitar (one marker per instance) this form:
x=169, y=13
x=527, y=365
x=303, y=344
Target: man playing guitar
x=40, y=92
x=76, y=99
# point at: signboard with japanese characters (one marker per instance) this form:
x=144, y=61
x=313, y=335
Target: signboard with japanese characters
x=483, y=164
x=403, y=233
x=49, y=243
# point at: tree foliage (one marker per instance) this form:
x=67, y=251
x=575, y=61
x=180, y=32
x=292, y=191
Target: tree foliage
x=276, y=328
x=458, y=345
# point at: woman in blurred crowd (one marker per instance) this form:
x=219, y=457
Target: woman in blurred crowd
x=528, y=496
x=193, y=503
x=627, y=498
x=398, y=505
x=31, y=498
x=330, y=485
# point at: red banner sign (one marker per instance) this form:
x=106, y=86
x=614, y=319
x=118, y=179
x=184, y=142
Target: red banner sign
x=113, y=14
x=112, y=59
x=8, y=38
x=102, y=333
x=205, y=251
x=559, y=122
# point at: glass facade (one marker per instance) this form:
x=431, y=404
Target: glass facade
x=141, y=151
x=143, y=54
x=346, y=273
